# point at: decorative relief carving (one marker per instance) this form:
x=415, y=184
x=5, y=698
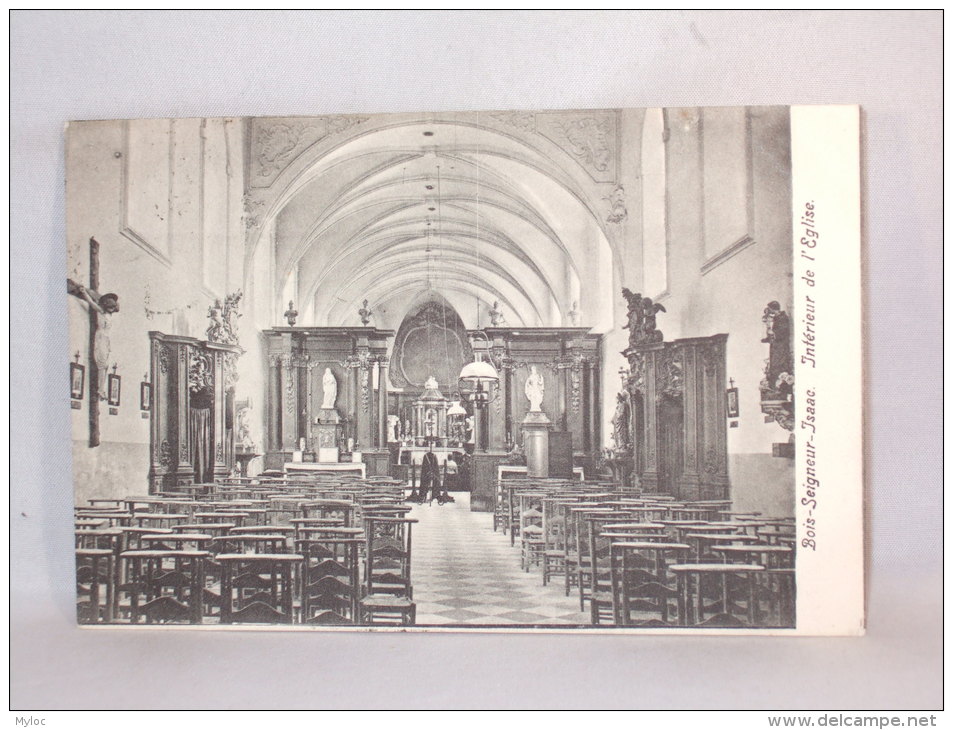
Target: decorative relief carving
x=635, y=382
x=290, y=376
x=183, y=452
x=669, y=368
x=254, y=209
x=201, y=373
x=365, y=388
x=617, y=209
x=276, y=142
x=589, y=138
x=165, y=453
x=230, y=369
x=523, y=121
x=165, y=357
x=220, y=452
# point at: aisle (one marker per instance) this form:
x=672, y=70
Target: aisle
x=466, y=574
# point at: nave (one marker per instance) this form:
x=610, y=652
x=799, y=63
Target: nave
x=339, y=551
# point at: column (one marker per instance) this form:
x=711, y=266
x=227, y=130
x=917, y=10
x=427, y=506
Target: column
x=365, y=430
x=594, y=410
x=383, y=364
x=220, y=468
x=289, y=403
x=650, y=475
x=689, y=482
x=184, y=472
x=274, y=403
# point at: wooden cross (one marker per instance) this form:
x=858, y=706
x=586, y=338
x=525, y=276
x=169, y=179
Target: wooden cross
x=105, y=304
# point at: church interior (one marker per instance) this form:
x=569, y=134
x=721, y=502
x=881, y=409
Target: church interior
x=464, y=370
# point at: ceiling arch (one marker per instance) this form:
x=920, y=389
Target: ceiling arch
x=436, y=205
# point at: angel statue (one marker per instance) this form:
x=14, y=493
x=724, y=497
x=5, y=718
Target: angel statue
x=650, y=309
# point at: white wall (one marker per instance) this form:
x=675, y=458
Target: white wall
x=163, y=199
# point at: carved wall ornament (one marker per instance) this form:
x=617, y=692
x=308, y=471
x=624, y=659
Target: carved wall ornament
x=635, y=382
x=276, y=142
x=201, y=371
x=365, y=388
x=165, y=453
x=523, y=121
x=290, y=377
x=254, y=209
x=587, y=137
x=230, y=369
x=617, y=209
x=589, y=141
x=165, y=357
x=575, y=395
x=669, y=369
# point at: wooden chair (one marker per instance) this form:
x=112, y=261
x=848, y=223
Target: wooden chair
x=692, y=594
x=330, y=585
x=387, y=575
x=532, y=543
x=250, y=543
x=163, y=586
x=640, y=581
x=94, y=585
x=258, y=588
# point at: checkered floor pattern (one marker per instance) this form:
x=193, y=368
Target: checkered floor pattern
x=465, y=574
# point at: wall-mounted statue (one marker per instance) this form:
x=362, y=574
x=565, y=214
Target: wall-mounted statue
x=330, y=385
x=777, y=387
x=496, y=316
x=291, y=314
x=365, y=314
x=620, y=424
x=642, y=326
x=573, y=314
x=535, y=388
x=778, y=335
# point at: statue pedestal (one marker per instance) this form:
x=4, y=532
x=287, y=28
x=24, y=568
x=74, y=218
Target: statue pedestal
x=535, y=428
x=327, y=434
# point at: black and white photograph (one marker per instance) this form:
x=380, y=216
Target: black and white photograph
x=476, y=360
x=491, y=352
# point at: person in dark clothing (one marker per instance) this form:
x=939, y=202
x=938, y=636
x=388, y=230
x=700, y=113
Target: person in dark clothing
x=430, y=477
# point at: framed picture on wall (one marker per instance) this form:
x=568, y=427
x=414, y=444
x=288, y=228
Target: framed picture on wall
x=114, y=389
x=732, y=397
x=77, y=380
x=145, y=396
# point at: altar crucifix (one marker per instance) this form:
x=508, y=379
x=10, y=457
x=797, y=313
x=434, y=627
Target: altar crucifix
x=101, y=308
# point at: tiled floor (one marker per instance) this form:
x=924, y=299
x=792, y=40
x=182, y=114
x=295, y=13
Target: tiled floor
x=465, y=574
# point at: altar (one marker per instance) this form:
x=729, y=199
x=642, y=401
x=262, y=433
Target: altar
x=303, y=467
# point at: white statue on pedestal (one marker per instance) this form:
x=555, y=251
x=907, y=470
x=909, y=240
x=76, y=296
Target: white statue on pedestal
x=534, y=389
x=330, y=389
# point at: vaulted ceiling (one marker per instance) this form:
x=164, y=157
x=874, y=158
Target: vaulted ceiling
x=481, y=211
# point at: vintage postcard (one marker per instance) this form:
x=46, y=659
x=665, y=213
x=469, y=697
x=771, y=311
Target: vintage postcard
x=574, y=370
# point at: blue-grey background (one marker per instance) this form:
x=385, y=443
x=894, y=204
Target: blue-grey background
x=105, y=64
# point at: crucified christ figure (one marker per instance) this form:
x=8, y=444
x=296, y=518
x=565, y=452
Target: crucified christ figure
x=104, y=305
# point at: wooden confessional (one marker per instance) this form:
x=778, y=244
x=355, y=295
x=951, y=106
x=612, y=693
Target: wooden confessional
x=192, y=433
x=676, y=393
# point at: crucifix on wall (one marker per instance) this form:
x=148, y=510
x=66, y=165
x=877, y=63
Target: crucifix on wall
x=101, y=308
